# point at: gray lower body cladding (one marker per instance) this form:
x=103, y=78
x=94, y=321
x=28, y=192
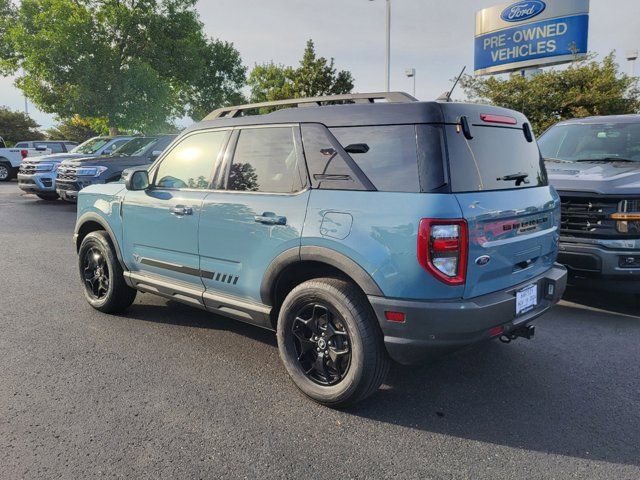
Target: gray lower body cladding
x=434, y=328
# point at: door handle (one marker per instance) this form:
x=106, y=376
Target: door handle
x=181, y=210
x=269, y=218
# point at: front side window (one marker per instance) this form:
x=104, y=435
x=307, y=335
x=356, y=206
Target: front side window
x=190, y=164
x=265, y=160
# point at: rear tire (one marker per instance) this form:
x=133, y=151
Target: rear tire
x=102, y=276
x=47, y=196
x=7, y=172
x=331, y=343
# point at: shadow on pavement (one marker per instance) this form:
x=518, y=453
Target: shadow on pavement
x=625, y=304
x=555, y=394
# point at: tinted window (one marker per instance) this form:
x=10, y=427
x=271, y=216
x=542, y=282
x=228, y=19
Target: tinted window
x=191, y=162
x=386, y=154
x=265, y=160
x=431, y=163
x=495, y=159
x=91, y=146
x=21, y=145
x=135, y=147
x=576, y=142
x=327, y=162
x=55, y=147
x=115, y=145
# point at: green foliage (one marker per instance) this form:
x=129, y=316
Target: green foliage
x=315, y=76
x=75, y=129
x=17, y=126
x=7, y=19
x=586, y=87
x=135, y=63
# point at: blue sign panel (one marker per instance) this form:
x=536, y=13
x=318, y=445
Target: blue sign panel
x=531, y=44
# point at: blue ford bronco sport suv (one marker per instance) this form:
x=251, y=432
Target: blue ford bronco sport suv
x=359, y=230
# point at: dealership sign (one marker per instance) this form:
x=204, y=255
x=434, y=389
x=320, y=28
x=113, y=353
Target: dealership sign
x=530, y=34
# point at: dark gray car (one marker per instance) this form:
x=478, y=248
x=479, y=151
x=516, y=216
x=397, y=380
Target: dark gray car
x=594, y=163
x=75, y=174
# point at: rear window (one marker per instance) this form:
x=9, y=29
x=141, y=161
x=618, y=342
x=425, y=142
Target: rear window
x=496, y=158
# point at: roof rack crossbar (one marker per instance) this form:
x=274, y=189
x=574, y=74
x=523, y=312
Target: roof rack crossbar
x=391, y=97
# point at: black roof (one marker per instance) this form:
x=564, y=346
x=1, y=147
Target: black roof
x=363, y=114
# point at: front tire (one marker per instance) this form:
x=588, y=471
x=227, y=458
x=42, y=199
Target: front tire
x=102, y=276
x=330, y=342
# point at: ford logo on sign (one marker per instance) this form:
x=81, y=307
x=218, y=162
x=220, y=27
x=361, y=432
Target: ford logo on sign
x=521, y=11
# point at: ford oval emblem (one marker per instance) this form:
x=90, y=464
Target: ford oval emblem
x=483, y=260
x=521, y=11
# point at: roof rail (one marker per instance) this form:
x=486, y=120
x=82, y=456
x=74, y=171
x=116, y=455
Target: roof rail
x=391, y=97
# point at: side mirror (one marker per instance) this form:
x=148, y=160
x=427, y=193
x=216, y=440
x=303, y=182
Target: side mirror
x=135, y=179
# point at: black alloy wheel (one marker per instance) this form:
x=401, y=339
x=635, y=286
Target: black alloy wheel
x=322, y=344
x=96, y=274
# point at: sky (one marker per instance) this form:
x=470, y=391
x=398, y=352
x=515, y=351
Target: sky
x=433, y=36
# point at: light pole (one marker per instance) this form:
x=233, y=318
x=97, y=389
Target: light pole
x=411, y=73
x=632, y=56
x=387, y=62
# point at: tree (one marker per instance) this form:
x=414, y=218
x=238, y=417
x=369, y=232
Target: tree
x=134, y=63
x=586, y=87
x=74, y=129
x=17, y=126
x=315, y=76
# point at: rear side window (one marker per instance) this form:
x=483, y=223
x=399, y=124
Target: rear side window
x=190, y=164
x=265, y=160
x=387, y=155
x=330, y=167
x=496, y=158
x=21, y=145
x=55, y=147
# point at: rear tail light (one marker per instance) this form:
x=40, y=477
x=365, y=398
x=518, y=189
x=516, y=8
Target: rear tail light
x=24, y=153
x=442, y=249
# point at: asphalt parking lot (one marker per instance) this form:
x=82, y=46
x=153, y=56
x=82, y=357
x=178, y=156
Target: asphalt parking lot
x=167, y=391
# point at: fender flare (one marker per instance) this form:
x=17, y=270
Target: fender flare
x=94, y=217
x=322, y=255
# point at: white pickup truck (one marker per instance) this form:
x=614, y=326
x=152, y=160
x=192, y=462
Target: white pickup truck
x=10, y=159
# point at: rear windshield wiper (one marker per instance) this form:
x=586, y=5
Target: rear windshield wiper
x=519, y=178
x=606, y=159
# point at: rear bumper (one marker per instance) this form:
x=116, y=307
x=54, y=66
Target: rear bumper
x=37, y=183
x=434, y=328
x=595, y=265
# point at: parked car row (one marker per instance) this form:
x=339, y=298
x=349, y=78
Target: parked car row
x=98, y=160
